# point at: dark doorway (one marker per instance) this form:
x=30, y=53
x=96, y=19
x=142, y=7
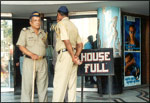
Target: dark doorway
x=18, y=24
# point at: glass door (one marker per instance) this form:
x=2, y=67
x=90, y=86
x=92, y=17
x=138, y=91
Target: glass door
x=87, y=28
x=7, y=69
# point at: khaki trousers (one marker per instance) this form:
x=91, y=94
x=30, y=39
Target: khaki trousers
x=65, y=75
x=41, y=80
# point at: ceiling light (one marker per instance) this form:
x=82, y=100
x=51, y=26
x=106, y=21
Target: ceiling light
x=6, y=14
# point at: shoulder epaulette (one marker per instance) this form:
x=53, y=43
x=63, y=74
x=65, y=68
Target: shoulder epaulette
x=25, y=28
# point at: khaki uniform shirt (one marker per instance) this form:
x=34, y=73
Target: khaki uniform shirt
x=66, y=30
x=34, y=43
x=54, y=51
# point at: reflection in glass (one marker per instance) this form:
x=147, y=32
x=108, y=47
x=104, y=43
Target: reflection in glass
x=87, y=28
x=6, y=54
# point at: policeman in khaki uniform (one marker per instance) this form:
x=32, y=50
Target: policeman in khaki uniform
x=69, y=47
x=33, y=42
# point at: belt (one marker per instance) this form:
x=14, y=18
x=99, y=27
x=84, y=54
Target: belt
x=63, y=50
x=38, y=59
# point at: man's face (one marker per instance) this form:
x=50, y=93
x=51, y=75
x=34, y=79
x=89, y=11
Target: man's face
x=35, y=22
x=59, y=17
x=131, y=32
x=57, y=20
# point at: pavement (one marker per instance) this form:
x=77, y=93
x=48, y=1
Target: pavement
x=138, y=94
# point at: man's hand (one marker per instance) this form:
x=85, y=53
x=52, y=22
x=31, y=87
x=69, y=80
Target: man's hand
x=27, y=52
x=76, y=60
x=34, y=57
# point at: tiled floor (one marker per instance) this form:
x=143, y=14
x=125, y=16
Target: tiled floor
x=129, y=95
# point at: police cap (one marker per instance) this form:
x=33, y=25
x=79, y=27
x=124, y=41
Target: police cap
x=63, y=9
x=35, y=14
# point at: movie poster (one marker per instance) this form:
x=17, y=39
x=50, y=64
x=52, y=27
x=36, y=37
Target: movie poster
x=132, y=51
x=132, y=69
x=110, y=29
x=132, y=33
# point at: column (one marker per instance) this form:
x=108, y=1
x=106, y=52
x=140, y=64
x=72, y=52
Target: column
x=109, y=29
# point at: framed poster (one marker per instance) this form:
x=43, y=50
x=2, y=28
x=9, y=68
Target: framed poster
x=132, y=31
x=132, y=51
x=132, y=68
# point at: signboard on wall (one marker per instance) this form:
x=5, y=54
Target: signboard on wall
x=96, y=62
x=132, y=51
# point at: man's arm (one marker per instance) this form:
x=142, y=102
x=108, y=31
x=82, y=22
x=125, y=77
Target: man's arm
x=69, y=48
x=79, y=48
x=65, y=39
x=27, y=52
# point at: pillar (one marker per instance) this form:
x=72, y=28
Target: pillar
x=109, y=20
x=109, y=30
